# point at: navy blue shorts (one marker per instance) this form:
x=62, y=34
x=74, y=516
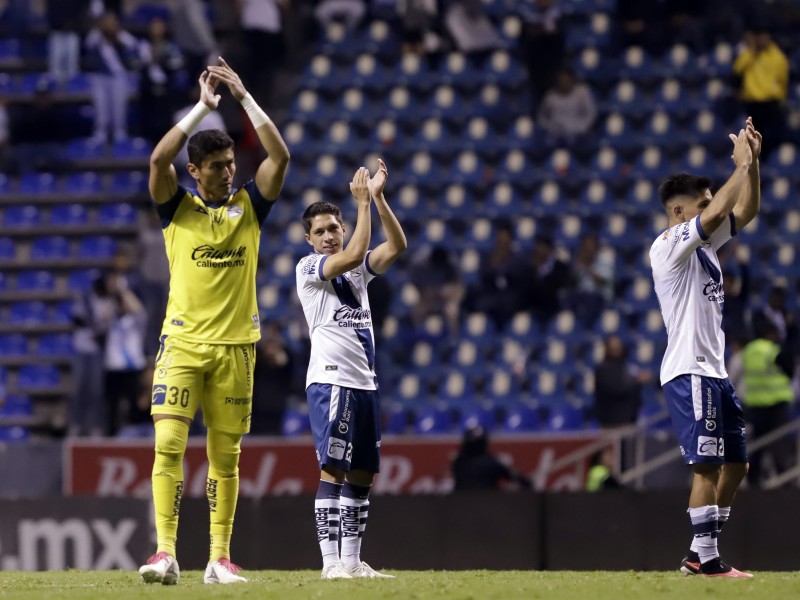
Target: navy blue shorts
x=346, y=425
x=707, y=418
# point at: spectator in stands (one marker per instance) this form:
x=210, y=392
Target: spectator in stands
x=593, y=271
x=567, y=111
x=470, y=28
x=496, y=292
x=543, y=43
x=441, y=290
x=777, y=313
x=601, y=471
x=92, y=314
x=767, y=371
x=349, y=11
x=273, y=380
x=5, y=136
x=66, y=19
x=642, y=24
x=618, y=386
x=736, y=308
x=154, y=278
x=112, y=53
x=265, y=47
x=544, y=280
x=162, y=62
x=124, y=355
x=475, y=468
x=194, y=35
x=764, y=72
x=421, y=25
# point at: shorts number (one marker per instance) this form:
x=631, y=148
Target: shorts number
x=175, y=392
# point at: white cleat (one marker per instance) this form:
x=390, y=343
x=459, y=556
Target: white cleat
x=161, y=568
x=335, y=571
x=223, y=571
x=362, y=569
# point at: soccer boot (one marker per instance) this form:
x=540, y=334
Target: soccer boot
x=716, y=568
x=160, y=568
x=362, y=569
x=335, y=571
x=223, y=571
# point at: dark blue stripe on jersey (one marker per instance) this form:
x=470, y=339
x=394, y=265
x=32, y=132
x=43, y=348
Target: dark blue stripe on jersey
x=366, y=263
x=733, y=225
x=348, y=298
x=319, y=268
x=702, y=233
x=708, y=266
x=261, y=205
x=166, y=210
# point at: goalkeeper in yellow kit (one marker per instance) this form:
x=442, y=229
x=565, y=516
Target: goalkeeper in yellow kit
x=207, y=342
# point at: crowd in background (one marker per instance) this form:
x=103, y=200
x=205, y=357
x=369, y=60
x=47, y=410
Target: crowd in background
x=118, y=320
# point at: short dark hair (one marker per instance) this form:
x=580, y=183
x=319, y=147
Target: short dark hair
x=320, y=208
x=682, y=184
x=206, y=142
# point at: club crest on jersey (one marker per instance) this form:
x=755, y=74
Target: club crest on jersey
x=234, y=211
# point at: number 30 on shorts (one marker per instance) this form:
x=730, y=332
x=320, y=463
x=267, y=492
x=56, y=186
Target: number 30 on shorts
x=172, y=395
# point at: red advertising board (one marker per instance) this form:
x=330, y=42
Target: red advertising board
x=275, y=466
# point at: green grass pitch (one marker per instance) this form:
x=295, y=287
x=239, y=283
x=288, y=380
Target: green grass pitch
x=415, y=585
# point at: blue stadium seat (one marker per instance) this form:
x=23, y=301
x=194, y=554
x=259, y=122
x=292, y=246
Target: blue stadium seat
x=370, y=75
x=680, y=62
x=80, y=83
x=785, y=162
x=592, y=66
x=52, y=248
x=564, y=417
x=39, y=376
x=521, y=418
x=129, y=182
x=627, y=98
x=62, y=313
x=323, y=75
x=8, y=250
x=28, y=313
x=548, y=198
x=597, y=198
x=97, y=246
x=432, y=419
x=342, y=139
x=117, y=214
x=518, y=170
x=295, y=422
x=652, y=164
x=477, y=414
x=638, y=66
x=618, y=133
x=329, y=174
x=415, y=74
x=503, y=202
x=455, y=385
x=20, y=216
x=69, y=215
x=502, y=69
x=131, y=148
x=447, y=104
x=81, y=280
x=13, y=344
x=84, y=183
x=468, y=169
x=672, y=98
x=55, y=344
x=35, y=281
x=459, y=71
x=775, y=194
x=144, y=13
x=394, y=418
x=36, y=184
x=16, y=405
x=85, y=149
x=14, y=434
x=660, y=130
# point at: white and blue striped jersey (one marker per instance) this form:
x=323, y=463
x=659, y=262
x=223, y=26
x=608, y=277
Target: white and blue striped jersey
x=339, y=324
x=688, y=282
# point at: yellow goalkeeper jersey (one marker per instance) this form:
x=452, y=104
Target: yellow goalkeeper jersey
x=213, y=255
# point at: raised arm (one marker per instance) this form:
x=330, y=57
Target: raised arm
x=356, y=249
x=726, y=197
x=163, y=178
x=385, y=254
x=270, y=174
x=749, y=203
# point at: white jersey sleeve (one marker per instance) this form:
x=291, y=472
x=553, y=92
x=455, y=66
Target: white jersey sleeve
x=339, y=323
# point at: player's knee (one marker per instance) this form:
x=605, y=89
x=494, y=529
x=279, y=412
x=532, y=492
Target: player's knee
x=223, y=450
x=171, y=438
x=707, y=471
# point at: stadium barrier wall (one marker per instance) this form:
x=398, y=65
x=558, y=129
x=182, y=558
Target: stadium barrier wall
x=618, y=530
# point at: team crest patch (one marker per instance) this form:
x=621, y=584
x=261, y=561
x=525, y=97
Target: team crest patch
x=234, y=211
x=308, y=265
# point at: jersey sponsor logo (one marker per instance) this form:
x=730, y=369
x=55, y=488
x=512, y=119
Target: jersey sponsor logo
x=357, y=318
x=219, y=258
x=710, y=425
x=343, y=427
x=237, y=401
x=234, y=211
x=710, y=446
x=711, y=410
x=308, y=265
x=159, y=393
x=337, y=447
x=713, y=291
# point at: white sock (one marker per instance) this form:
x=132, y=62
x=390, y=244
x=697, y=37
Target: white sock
x=326, y=516
x=355, y=510
x=704, y=524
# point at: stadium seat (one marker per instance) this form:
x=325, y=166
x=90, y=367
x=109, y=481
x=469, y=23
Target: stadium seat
x=8, y=249
x=69, y=215
x=295, y=422
x=81, y=280
x=85, y=149
x=97, y=247
x=457, y=69
x=50, y=248
x=37, y=184
x=35, y=281
x=638, y=66
x=432, y=419
x=16, y=405
x=454, y=385
x=477, y=414
x=117, y=214
x=55, y=344
x=13, y=344
x=13, y=434
x=564, y=417
x=131, y=148
x=38, y=376
x=505, y=71
x=21, y=216
x=521, y=418
x=62, y=312
x=128, y=182
x=468, y=169
x=395, y=418
x=28, y=313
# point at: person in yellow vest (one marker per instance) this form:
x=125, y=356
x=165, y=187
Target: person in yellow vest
x=601, y=476
x=764, y=72
x=767, y=371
